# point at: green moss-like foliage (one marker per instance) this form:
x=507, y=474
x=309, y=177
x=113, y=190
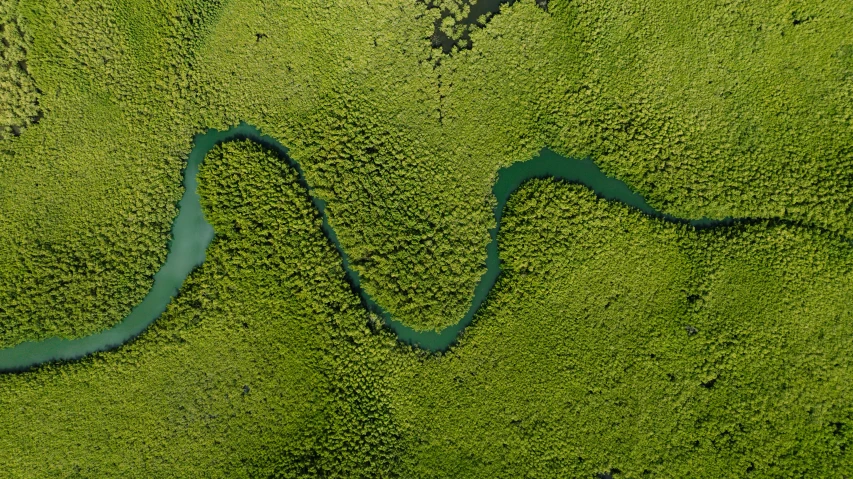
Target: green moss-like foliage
x=393, y=141
x=614, y=342
x=722, y=108
x=238, y=378
x=19, y=105
x=88, y=195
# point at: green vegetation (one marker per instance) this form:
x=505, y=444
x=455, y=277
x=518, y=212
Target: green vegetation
x=238, y=378
x=725, y=109
x=371, y=117
x=89, y=193
x=458, y=18
x=265, y=365
x=617, y=342
x=613, y=342
x=18, y=93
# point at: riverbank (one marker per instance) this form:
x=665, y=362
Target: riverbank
x=191, y=234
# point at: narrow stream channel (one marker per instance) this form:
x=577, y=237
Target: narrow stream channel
x=191, y=234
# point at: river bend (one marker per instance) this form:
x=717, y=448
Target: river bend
x=191, y=234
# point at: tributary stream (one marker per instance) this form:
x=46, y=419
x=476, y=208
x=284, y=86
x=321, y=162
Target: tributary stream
x=191, y=234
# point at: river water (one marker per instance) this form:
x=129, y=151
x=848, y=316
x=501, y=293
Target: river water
x=191, y=234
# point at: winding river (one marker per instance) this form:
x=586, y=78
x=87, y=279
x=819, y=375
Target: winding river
x=191, y=234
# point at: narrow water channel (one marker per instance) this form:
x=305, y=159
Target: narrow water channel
x=191, y=234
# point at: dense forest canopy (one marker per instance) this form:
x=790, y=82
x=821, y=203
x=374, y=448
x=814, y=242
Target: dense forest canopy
x=18, y=93
x=614, y=343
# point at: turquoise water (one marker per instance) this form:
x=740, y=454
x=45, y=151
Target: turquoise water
x=191, y=234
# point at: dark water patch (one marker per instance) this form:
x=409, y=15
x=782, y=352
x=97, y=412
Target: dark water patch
x=608, y=474
x=479, y=13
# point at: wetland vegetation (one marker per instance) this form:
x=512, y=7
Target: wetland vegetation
x=18, y=93
x=613, y=342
